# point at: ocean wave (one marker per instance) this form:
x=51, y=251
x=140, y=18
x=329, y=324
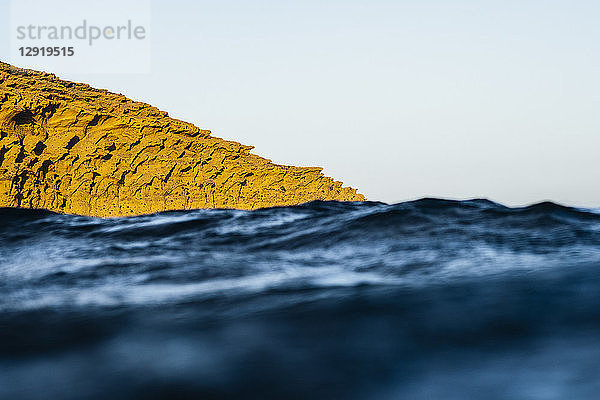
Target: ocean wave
x=297, y=301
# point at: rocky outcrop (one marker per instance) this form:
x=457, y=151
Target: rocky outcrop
x=70, y=148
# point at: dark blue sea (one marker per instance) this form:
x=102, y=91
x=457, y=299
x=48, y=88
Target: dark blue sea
x=430, y=299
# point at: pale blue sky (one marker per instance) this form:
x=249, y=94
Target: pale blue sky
x=400, y=99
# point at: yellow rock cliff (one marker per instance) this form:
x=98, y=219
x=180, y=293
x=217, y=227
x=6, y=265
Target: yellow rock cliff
x=70, y=148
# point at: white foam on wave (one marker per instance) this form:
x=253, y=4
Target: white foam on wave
x=138, y=293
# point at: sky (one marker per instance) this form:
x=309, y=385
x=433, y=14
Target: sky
x=400, y=99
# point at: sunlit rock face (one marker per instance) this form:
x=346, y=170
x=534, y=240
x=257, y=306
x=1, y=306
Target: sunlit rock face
x=71, y=148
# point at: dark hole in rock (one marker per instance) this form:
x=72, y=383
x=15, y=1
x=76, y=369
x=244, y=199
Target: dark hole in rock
x=49, y=110
x=44, y=168
x=95, y=120
x=20, y=156
x=72, y=142
x=39, y=148
x=24, y=117
x=3, y=151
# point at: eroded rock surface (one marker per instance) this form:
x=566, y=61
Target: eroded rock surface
x=71, y=148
